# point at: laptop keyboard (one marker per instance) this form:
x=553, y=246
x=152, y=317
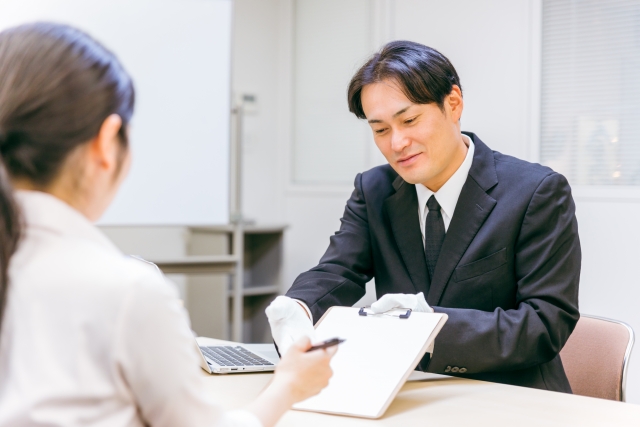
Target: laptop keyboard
x=234, y=356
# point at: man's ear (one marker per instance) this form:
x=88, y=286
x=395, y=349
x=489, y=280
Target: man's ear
x=455, y=103
x=106, y=145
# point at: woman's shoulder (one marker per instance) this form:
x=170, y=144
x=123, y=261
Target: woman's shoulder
x=123, y=274
x=84, y=267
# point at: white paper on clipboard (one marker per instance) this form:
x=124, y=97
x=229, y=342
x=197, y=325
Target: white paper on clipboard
x=370, y=367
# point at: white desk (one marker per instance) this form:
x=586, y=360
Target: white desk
x=447, y=401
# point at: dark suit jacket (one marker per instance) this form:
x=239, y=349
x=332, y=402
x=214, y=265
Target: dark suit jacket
x=507, y=274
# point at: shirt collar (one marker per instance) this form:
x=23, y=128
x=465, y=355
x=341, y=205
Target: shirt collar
x=44, y=211
x=447, y=196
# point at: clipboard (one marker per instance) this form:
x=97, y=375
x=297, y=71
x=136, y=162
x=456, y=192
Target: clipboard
x=379, y=354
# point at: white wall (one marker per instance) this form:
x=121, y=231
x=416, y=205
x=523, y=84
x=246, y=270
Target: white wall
x=494, y=46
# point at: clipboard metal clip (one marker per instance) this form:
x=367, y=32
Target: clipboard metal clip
x=386, y=313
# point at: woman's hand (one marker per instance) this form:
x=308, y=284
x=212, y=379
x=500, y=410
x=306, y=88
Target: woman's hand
x=304, y=374
x=299, y=375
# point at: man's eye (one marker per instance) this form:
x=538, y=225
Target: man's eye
x=379, y=131
x=408, y=121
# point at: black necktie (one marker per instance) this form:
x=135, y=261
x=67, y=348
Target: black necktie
x=433, y=234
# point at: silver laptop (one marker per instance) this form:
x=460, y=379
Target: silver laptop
x=231, y=359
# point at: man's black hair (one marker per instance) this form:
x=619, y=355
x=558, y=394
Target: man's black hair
x=425, y=75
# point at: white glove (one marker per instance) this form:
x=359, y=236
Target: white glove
x=391, y=301
x=414, y=302
x=289, y=322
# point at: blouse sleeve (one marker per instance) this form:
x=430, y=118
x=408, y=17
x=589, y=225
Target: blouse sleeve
x=157, y=360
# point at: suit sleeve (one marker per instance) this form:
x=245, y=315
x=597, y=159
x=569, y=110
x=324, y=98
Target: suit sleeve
x=345, y=268
x=547, y=269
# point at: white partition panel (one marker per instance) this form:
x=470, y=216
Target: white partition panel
x=178, y=53
x=332, y=40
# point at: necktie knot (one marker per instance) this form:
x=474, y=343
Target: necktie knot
x=433, y=204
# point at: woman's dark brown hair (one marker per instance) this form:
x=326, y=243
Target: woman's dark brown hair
x=57, y=86
x=425, y=75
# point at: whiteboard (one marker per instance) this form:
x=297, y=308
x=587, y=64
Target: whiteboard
x=178, y=53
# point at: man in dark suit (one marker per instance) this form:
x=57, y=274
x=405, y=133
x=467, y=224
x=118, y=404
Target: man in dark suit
x=490, y=240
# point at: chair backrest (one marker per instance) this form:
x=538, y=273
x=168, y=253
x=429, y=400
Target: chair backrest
x=596, y=355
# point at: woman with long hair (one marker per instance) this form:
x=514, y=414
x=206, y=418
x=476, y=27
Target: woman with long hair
x=88, y=336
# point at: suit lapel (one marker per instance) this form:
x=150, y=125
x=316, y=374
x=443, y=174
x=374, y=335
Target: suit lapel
x=473, y=207
x=402, y=209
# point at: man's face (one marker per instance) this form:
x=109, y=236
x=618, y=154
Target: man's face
x=420, y=141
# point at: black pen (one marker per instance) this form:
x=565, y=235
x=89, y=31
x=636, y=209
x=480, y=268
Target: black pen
x=328, y=343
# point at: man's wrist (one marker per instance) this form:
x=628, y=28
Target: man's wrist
x=305, y=308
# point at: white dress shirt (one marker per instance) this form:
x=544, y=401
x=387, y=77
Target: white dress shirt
x=93, y=338
x=447, y=196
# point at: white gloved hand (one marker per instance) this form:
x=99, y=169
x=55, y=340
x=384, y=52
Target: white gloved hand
x=289, y=322
x=391, y=301
x=414, y=302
